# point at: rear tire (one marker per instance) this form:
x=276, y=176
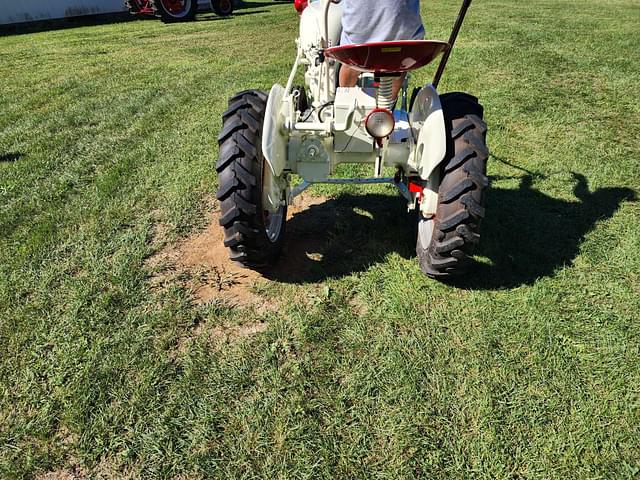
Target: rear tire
x=173, y=11
x=254, y=236
x=222, y=7
x=446, y=242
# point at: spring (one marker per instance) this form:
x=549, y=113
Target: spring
x=385, y=93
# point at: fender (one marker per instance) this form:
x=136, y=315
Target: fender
x=431, y=146
x=274, y=147
x=428, y=119
x=274, y=143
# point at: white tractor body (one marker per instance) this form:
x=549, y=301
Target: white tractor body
x=332, y=131
x=435, y=147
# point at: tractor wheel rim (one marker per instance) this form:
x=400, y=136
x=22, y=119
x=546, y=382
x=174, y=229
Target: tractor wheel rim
x=426, y=228
x=225, y=5
x=273, y=224
x=273, y=221
x=177, y=7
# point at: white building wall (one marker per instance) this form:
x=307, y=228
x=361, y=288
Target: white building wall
x=17, y=11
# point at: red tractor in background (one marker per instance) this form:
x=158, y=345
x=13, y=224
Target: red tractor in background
x=171, y=11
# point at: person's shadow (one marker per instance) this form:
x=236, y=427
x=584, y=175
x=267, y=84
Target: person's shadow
x=526, y=234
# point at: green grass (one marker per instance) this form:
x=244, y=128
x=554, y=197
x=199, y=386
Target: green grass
x=527, y=369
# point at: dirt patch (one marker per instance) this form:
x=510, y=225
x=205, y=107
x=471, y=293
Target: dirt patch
x=358, y=306
x=229, y=333
x=107, y=469
x=201, y=262
x=205, y=260
x=67, y=439
x=61, y=475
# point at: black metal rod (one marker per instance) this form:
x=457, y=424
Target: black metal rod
x=452, y=41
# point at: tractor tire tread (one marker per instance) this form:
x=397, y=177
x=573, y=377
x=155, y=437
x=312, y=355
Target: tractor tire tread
x=458, y=159
x=234, y=108
x=248, y=94
x=449, y=245
x=239, y=168
x=462, y=190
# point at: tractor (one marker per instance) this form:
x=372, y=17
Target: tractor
x=172, y=11
x=432, y=145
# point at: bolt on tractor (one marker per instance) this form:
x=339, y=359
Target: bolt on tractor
x=172, y=11
x=435, y=144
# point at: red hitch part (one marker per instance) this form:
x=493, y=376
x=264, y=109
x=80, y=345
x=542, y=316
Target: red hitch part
x=140, y=7
x=300, y=5
x=416, y=185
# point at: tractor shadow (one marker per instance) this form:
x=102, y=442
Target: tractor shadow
x=212, y=17
x=342, y=236
x=525, y=236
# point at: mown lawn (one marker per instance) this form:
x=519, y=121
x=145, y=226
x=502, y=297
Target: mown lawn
x=529, y=368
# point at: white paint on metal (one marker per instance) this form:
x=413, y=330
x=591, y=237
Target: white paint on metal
x=427, y=119
x=274, y=149
x=319, y=76
x=274, y=144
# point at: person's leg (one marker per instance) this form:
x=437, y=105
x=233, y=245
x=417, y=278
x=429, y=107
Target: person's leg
x=348, y=76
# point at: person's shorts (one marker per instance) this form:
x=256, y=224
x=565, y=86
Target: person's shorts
x=365, y=21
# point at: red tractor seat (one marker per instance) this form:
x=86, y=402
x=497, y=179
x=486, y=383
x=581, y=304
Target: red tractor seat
x=388, y=57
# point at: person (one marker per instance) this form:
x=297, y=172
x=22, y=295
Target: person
x=366, y=21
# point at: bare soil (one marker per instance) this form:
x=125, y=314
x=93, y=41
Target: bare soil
x=201, y=262
x=60, y=475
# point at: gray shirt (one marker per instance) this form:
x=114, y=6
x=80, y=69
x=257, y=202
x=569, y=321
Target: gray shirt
x=365, y=21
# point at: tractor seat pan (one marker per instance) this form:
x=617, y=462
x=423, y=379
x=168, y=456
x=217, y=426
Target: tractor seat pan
x=388, y=57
